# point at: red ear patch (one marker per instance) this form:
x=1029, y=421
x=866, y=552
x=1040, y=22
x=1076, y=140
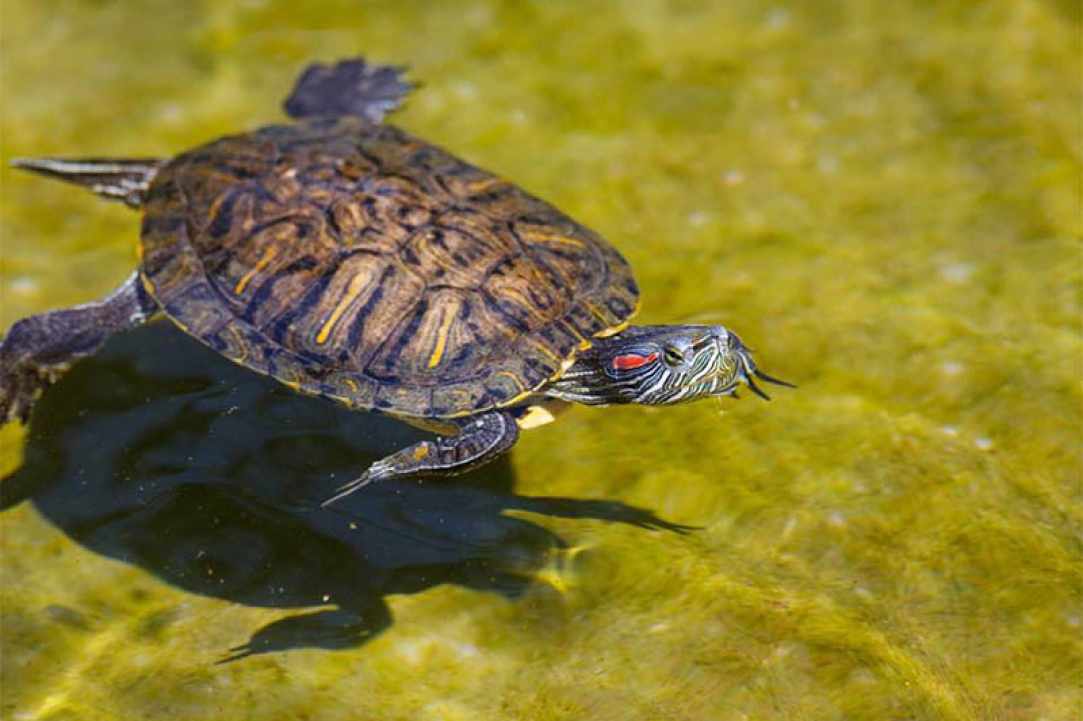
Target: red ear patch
x=633, y=360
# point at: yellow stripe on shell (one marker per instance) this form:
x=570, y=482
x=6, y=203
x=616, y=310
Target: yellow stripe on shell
x=147, y=284
x=263, y=262
x=541, y=348
x=514, y=379
x=542, y=237
x=357, y=284
x=241, y=345
x=513, y=294
x=597, y=314
x=480, y=186
x=611, y=331
x=441, y=339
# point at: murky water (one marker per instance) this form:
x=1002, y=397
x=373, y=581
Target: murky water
x=882, y=198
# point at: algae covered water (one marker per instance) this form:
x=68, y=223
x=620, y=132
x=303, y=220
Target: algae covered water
x=883, y=199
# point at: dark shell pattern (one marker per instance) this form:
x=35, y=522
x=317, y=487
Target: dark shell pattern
x=350, y=260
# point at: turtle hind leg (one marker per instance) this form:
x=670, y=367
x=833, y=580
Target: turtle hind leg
x=38, y=350
x=481, y=438
x=350, y=87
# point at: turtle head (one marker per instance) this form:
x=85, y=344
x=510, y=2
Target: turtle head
x=661, y=365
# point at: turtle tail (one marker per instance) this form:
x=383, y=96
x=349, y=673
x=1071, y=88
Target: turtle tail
x=111, y=178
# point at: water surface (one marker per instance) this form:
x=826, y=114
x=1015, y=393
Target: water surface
x=883, y=199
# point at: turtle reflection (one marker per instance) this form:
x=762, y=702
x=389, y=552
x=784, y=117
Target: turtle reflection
x=161, y=453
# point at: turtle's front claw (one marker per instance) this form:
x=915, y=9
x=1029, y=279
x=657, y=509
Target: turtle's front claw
x=378, y=471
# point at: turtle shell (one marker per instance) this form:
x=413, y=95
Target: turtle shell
x=350, y=260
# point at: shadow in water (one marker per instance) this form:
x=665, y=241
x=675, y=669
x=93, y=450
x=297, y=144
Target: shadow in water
x=159, y=452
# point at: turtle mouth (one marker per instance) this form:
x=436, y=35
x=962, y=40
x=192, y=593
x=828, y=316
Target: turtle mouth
x=748, y=371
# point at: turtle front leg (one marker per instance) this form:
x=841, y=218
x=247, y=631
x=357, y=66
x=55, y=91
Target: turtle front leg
x=38, y=350
x=480, y=439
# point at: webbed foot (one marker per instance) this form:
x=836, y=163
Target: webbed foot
x=349, y=87
x=21, y=386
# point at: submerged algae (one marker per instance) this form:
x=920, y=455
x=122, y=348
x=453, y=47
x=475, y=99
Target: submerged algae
x=883, y=199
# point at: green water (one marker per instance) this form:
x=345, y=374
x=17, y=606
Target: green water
x=883, y=199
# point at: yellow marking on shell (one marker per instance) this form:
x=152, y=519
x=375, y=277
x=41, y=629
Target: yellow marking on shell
x=535, y=416
x=421, y=453
x=441, y=339
x=180, y=324
x=139, y=253
x=357, y=284
x=584, y=344
x=352, y=385
x=514, y=294
x=611, y=331
x=432, y=425
x=146, y=284
x=291, y=384
x=240, y=344
x=565, y=364
x=263, y=262
x=597, y=313
x=540, y=347
x=514, y=379
x=212, y=212
x=539, y=236
x=480, y=186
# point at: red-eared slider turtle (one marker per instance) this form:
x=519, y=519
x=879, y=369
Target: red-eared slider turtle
x=351, y=260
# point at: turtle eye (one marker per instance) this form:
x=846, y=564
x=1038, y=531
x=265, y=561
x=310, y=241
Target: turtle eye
x=672, y=355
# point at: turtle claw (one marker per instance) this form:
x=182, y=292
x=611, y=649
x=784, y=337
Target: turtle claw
x=22, y=378
x=20, y=387
x=349, y=87
x=378, y=471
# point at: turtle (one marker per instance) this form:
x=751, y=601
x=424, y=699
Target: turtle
x=350, y=260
